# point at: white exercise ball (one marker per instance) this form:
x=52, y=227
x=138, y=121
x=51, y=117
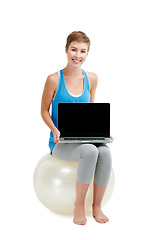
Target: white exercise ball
x=54, y=182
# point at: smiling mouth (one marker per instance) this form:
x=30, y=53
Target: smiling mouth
x=76, y=61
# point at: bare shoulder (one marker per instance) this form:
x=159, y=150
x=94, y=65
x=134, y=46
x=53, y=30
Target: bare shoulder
x=52, y=80
x=93, y=79
x=92, y=76
x=50, y=87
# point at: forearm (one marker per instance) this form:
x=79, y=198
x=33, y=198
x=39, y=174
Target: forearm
x=48, y=120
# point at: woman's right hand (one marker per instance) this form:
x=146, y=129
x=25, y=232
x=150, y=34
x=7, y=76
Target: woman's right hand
x=56, y=133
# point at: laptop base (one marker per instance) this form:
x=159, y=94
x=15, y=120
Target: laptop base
x=85, y=140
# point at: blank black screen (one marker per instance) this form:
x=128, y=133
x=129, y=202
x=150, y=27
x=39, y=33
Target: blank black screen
x=84, y=119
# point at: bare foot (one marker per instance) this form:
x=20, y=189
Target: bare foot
x=79, y=215
x=99, y=216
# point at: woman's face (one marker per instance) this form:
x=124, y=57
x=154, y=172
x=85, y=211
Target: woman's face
x=77, y=53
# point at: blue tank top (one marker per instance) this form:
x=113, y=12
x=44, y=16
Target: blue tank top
x=62, y=95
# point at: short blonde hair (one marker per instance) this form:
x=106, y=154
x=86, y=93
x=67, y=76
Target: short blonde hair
x=77, y=36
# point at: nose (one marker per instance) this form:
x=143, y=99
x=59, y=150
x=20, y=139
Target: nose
x=78, y=54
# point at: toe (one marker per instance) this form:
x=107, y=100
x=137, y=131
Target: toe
x=80, y=222
x=106, y=220
x=101, y=220
x=83, y=223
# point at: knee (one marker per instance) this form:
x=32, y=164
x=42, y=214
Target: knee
x=90, y=151
x=105, y=154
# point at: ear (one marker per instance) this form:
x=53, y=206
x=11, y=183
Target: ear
x=66, y=50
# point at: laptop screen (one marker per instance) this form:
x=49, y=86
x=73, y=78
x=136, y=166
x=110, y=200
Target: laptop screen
x=84, y=119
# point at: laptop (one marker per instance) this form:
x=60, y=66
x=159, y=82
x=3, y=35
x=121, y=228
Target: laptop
x=84, y=122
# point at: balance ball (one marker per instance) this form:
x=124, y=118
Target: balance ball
x=54, y=183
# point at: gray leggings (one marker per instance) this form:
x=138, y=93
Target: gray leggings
x=93, y=159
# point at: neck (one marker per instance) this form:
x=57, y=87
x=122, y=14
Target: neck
x=74, y=71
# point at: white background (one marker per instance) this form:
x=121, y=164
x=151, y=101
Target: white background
x=125, y=53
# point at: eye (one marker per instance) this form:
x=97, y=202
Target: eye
x=73, y=49
x=83, y=51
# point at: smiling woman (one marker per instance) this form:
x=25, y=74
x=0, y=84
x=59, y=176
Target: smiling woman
x=77, y=52
x=71, y=85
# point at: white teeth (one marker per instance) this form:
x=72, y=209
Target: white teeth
x=76, y=61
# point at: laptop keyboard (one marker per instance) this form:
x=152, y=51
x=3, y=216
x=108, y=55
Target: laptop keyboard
x=81, y=138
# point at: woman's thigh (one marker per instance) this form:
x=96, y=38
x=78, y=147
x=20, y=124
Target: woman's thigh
x=71, y=151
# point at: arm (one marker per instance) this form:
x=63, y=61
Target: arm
x=47, y=97
x=93, y=81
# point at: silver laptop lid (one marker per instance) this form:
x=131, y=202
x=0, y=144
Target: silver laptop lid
x=84, y=119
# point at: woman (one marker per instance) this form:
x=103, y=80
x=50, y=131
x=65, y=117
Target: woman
x=72, y=84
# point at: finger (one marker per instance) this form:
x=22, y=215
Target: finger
x=55, y=139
